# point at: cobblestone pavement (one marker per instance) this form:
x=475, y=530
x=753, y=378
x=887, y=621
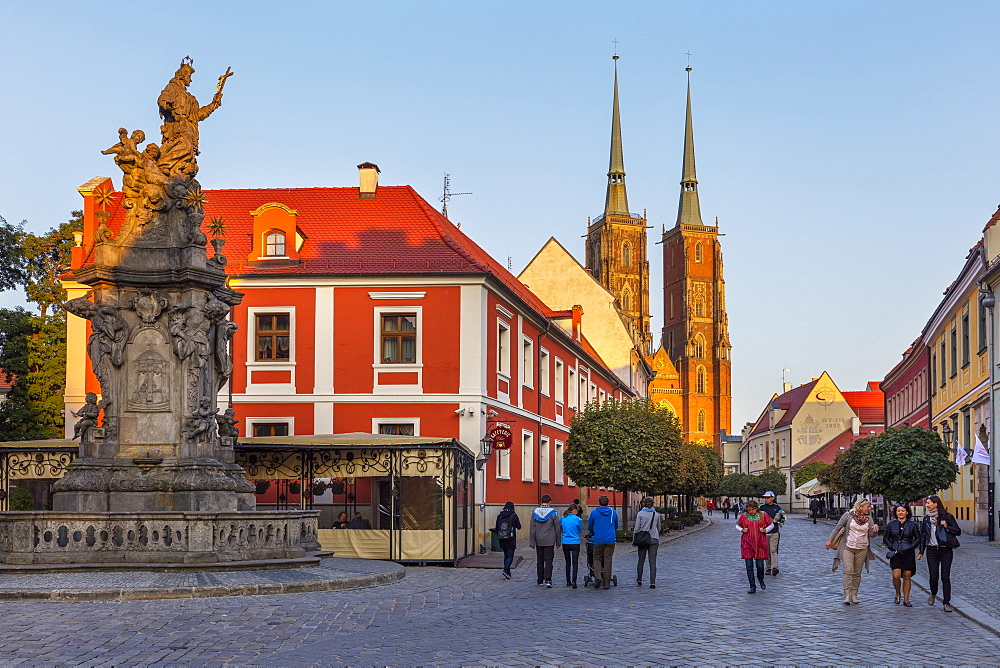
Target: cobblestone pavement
x=472, y=616
x=975, y=575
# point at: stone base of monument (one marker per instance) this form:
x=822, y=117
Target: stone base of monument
x=158, y=538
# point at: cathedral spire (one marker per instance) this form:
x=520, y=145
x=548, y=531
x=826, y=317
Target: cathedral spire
x=689, y=209
x=617, y=200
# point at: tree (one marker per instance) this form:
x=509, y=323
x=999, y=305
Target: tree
x=693, y=472
x=715, y=470
x=772, y=479
x=631, y=446
x=811, y=470
x=12, y=265
x=21, y=499
x=848, y=468
x=907, y=464
x=740, y=485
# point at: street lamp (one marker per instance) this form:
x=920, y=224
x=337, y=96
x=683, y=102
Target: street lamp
x=487, y=442
x=946, y=433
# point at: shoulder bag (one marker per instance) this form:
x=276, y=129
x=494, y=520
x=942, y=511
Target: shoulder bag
x=643, y=538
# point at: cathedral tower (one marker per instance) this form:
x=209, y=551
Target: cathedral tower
x=616, y=244
x=696, y=328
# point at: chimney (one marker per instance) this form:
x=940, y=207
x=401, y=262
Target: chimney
x=577, y=321
x=786, y=387
x=368, y=171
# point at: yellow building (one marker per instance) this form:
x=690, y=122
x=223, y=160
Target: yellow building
x=956, y=336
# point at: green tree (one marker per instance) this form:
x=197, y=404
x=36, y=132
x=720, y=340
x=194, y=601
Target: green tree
x=715, y=469
x=693, y=478
x=739, y=485
x=21, y=499
x=811, y=470
x=907, y=464
x=772, y=479
x=12, y=269
x=631, y=446
x=848, y=468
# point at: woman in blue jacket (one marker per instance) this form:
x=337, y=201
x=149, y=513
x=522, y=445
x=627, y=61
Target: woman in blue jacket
x=572, y=527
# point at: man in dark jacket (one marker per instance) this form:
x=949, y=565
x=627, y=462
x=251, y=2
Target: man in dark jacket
x=603, y=528
x=777, y=516
x=545, y=535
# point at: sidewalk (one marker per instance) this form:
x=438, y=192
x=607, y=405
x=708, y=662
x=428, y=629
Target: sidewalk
x=975, y=578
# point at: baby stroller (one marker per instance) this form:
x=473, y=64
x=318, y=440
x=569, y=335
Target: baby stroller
x=591, y=576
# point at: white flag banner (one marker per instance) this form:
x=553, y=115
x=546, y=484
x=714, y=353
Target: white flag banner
x=980, y=455
x=960, y=458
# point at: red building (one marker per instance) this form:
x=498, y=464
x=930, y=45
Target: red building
x=906, y=387
x=368, y=311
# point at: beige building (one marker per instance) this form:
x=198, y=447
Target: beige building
x=956, y=336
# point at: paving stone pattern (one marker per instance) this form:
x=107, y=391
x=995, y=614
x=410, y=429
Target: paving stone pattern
x=700, y=613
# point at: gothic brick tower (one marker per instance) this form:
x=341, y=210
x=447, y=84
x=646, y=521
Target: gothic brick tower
x=616, y=245
x=696, y=328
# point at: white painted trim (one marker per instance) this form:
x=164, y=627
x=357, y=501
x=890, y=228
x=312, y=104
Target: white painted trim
x=391, y=420
x=397, y=295
x=270, y=281
x=473, y=342
x=504, y=312
x=501, y=369
x=323, y=417
x=530, y=460
x=323, y=342
x=544, y=379
x=527, y=381
x=251, y=421
x=377, y=365
x=283, y=365
x=544, y=441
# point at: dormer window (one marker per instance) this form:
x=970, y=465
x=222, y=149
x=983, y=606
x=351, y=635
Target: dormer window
x=274, y=244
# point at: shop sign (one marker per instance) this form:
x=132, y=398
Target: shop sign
x=501, y=436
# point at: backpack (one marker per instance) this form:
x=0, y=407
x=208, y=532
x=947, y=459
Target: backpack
x=505, y=527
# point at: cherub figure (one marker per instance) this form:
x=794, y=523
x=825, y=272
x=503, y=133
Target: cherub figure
x=89, y=412
x=227, y=423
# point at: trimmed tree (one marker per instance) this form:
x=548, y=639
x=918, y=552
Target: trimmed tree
x=907, y=464
x=632, y=446
x=811, y=470
x=848, y=468
x=772, y=479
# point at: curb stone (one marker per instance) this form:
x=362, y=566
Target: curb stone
x=961, y=606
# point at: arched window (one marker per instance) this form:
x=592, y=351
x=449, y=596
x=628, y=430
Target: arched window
x=700, y=383
x=699, y=346
x=701, y=420
x=626, y=255
x=699, y=307
x=626, y=301
x=274, y=244
x=697, y=252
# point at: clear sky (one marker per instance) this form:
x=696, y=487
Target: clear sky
x=849, y=150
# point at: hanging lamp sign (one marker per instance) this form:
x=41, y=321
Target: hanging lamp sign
x=501, y=436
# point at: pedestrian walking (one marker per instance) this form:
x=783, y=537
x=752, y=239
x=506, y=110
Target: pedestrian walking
x=777, y=516
x=572, y=527
x=726, y=505
x=754, y=525
x=939, y=534
x=814, y=508
x=544, y=535
x=851, y=540
x=646, y=537
x=710, y=506
x=902, y=537
x=506, y=528
x=603, y=528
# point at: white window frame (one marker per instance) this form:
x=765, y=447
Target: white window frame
x=503, y=464
x=527, y=456
x=271, y=365
x=378, y=422
x=560, y=472
x=251, y=421
x=560, y=380
x=503, y=360
x=543, y=372
x=527, y=362
x=602, y=397
x=378, y=312
x=574, y=390
x=284, y=245
x=543, y=459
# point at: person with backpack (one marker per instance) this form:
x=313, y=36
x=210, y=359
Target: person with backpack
x=646, y=537
x=506, y=530
x=572, y=527
x=939, y=534
x=545, y=535
x=603, y=527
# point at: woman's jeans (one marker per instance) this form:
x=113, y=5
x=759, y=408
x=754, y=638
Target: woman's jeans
x=939, y=565
x=508, y=558
x=572, y=555
x=751, y=564
x=650, y=551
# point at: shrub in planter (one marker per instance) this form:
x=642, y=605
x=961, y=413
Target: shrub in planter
x=21, y=499
x=262, y=486
x=294, y=487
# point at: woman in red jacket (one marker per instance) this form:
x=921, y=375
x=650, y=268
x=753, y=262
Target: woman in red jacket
x=754, y=547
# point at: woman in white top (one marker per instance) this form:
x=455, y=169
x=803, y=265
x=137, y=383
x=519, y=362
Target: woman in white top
x=851, y=540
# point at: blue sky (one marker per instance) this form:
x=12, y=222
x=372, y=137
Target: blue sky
x=848, y=149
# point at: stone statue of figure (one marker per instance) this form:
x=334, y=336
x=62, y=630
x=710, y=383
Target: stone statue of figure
x=227, y=423
x=89, y=412
x=109, y=334
x=181, y=114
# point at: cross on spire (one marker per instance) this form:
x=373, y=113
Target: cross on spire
x=688, y=54
x=615, y=42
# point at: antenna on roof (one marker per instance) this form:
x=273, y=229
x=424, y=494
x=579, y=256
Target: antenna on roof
x=446, y=195
x=510, y=264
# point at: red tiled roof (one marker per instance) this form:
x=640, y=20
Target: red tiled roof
x=993, y=220
x=868, y=405
x=794, y=398
x=4, y=383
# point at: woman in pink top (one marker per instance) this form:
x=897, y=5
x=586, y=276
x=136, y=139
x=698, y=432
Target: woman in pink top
x=754, y=547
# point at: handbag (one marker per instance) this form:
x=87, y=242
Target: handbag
x=643, y=538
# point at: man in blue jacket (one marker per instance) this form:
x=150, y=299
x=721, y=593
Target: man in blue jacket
x=603, y=528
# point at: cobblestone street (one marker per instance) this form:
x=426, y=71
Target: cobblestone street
x=700, y=613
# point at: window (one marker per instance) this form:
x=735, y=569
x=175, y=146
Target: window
x=274, y=244
x=270, y=429
x=699, y=346
x=783, y=448
x=560, y=474
x=626, y=255
x=399, y=338
x=671, y=305
x=697, y=252
x=602, y=397
x=527, y=362
x=503, y=348
x=574, y=389
x=701, y=420
x=982, y=327
x=273, y=335
x=626, y=302
x=933, y=374
x=543, y=372
x=543, y=459
x=584, y=397
x=527, y=456
x=699, y=307
x=700, y=382
x=560, y=385
x=965, y=340
x=671, y=257
x=503, y=464
x=944, y=363
x=954, y=352
x=966, y=429
x=670, y=344
x=396, y=428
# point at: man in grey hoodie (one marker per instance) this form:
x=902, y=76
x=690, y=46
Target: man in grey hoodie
x=545, y=535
